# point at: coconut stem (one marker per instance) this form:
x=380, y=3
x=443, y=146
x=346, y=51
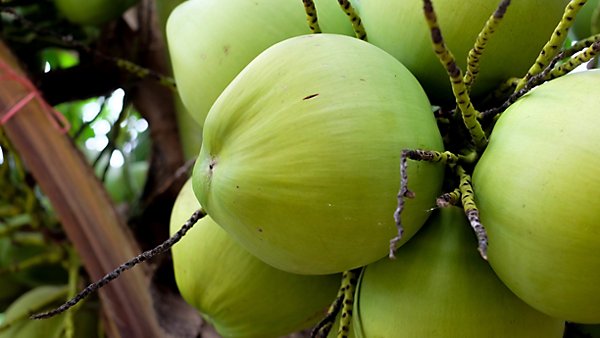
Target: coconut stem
x=343, y=303
x=459, y=88
x=311, y=16
x=143, y=72
x=431, y=156
x=349, y=282
x=553, y=46
x=323, y=328
x=404, y=192
x=481, y=42
x=161, y=248
x=581, y=44
x=471, y=210
x=359, y=29
x=575, y=61
x=552, y=71
x=449, y=198
x=535, y=80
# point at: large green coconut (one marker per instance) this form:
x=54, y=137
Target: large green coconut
x=537, y=187
x=301, y=154
x=440, y=287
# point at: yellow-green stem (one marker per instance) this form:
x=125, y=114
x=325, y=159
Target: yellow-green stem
x=359, y=29
x=144, y=73
x=471, y=210
x=461, y=93
x=349, y=281
x=581, y=44
x=574, y=61
x=480, y=43
x=431, y=156
x=323, y=328
x=449, y=198
x=311, y=16
x=553, y=46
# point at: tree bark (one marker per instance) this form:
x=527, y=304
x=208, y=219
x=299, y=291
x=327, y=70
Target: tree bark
x=83, y=207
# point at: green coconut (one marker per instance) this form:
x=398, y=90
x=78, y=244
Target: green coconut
x=211, y=41
x=440, y=287
x=236, y=292
x=301, y=154
x=399, y=27
x=536, y=186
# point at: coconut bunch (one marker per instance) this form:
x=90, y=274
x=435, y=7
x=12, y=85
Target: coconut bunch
x=334, y=131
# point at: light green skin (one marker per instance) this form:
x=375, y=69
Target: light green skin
x=582, y=27
x=440, y=287
x=236, y=292
x=537, y=187
x=92, y=12
x=399, y=27
x=211, y=41
x=309, y=185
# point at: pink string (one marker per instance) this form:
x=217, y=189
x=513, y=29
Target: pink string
x=57, y=119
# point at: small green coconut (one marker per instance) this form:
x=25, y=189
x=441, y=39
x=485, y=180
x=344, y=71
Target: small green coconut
x=211, y=41
x=236, y=292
